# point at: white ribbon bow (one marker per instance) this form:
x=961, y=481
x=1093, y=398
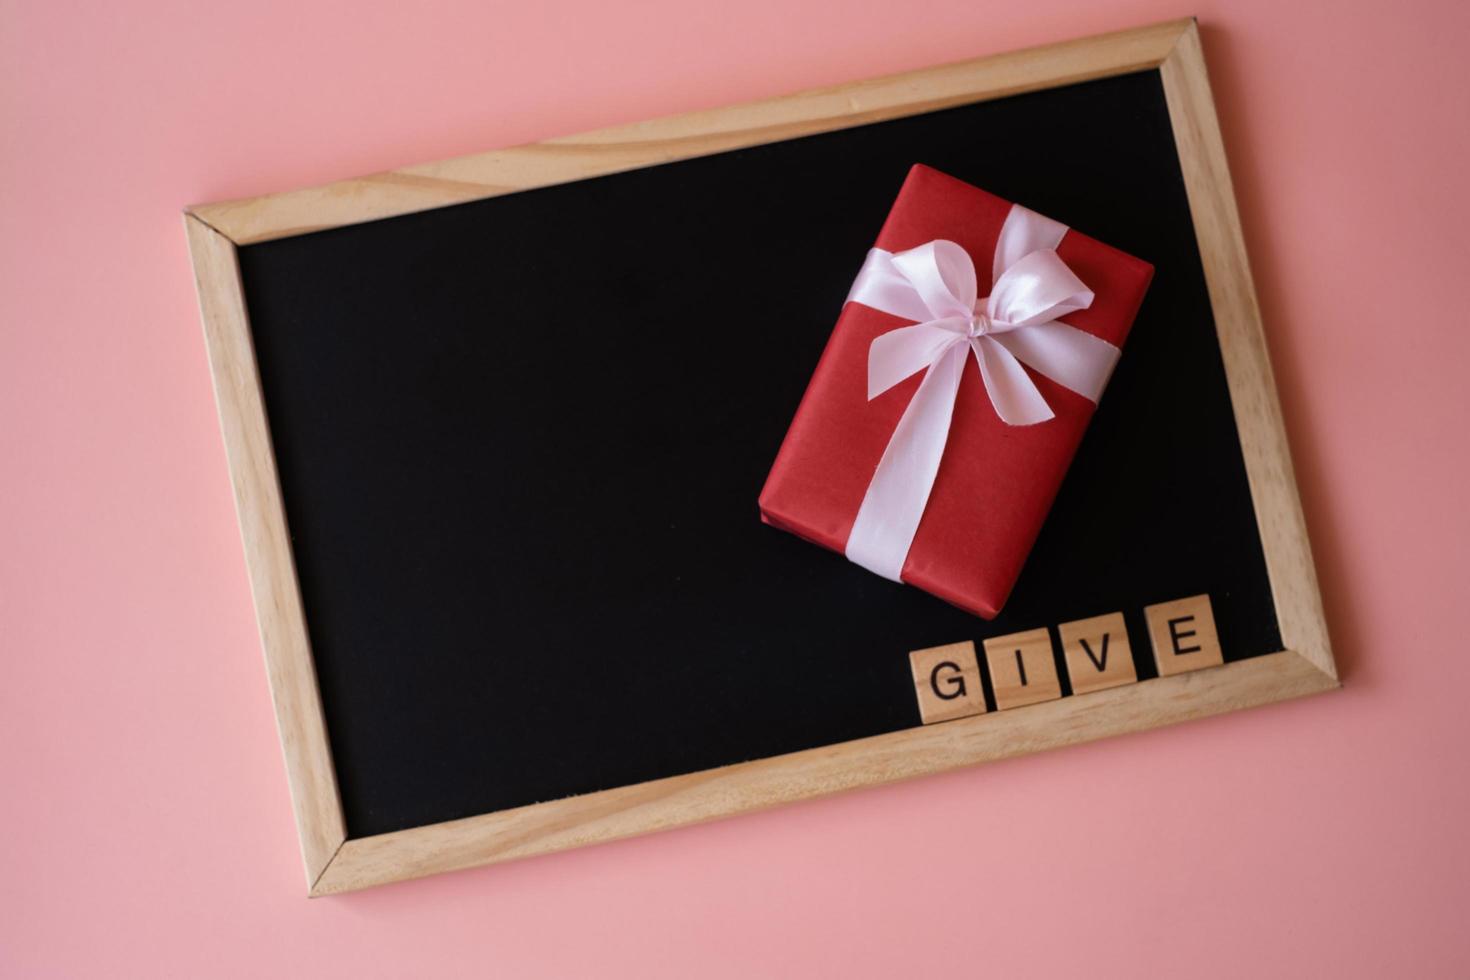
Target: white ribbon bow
x=934, y=285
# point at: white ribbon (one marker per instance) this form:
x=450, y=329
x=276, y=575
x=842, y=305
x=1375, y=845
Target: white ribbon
x=935, y=286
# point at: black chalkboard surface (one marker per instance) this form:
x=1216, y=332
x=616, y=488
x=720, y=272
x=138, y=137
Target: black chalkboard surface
x=520, y=442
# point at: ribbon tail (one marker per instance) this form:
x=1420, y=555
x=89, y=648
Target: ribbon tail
x=895, y=355
x=895, y=500
x=1072, y=358
x=1014, y=395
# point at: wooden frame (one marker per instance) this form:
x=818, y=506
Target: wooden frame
x=336, y=864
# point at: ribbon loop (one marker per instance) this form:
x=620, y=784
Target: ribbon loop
x=1023, y=232
x=880, y=285
x=1037, y=289
x=935, y=287
x=943, y=276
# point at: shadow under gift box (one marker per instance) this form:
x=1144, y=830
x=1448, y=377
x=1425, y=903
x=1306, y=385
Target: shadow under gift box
x=996, y=482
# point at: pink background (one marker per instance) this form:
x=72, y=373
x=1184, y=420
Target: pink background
x=144, y=823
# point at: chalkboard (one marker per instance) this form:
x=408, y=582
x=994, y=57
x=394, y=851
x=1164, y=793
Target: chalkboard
x=519, y=442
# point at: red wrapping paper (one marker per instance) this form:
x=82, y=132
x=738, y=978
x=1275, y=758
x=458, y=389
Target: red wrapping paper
x=996, y=482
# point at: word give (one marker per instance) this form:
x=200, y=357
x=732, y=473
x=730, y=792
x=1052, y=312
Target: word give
x=1023, y=669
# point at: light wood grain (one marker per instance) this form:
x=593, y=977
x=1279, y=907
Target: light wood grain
x=683, y=800
x=642, y=144
x=1243, y=345
x=278, y=611
x=332, y=866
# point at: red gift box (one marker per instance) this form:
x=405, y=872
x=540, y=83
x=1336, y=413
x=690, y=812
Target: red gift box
x=995, y=481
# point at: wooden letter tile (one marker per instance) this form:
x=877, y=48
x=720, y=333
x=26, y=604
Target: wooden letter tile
x=1098, y=654
x=1022, y=670
x=947, y=682
x=1182, y=633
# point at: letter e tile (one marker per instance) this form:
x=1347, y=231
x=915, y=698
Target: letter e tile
x=1183, y=636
